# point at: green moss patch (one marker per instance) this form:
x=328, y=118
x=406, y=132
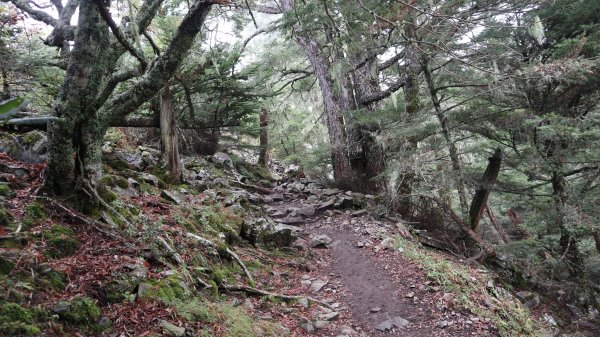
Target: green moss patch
x=60, y=241
x=5, y=190
x=167, y=290
x=34, y=212
x=80, y=311
x=17, y=321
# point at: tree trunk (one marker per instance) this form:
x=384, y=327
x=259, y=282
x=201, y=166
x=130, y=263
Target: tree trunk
x=482, y=193
x=412, y=106
x=367, y=156
x=335, y=105
x=168, y=136
x=75, y=155
x=263, y=156
x=498, y=226
x=568, y=243
x=458, y=179
x=597, y=240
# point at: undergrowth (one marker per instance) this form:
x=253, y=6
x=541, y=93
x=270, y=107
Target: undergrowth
x=475, y=291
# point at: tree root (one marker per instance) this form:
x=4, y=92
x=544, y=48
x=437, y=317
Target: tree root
x=99, y=226
x=177, y=258
x=229, y=252
x=259, y=292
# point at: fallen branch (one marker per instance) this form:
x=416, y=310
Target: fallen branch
x=229, y=252
x=259, y=292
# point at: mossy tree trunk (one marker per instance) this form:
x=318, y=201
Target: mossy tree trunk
x=168, y=136
x=86, y=104
x=263, y=156
x=412, y=106
x=74, y=159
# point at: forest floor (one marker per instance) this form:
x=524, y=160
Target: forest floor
x=64, y=274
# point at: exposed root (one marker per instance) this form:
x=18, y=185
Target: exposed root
x=259, y=189
x=177, y=258
x=229, y=252
x=259, y=292
x=106, y=205
x=99, y=226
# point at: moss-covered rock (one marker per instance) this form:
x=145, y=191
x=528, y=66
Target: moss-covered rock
x=34, y=212
x=80, y=311
x=167, y=290
x=121, y=289
x=5, y=190
x=60, y=241
x=6, y=265
x=54, y=279
x=5, y=218
x=114, y=180
x=17, y=321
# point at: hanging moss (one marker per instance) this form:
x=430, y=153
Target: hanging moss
x=60, y=241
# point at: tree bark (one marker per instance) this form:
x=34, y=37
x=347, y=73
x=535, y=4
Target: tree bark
x=335, y=105
x=412, y=106
x=168, y=136
x=367, y=156
x=74, y=163
x=479, y=202
x=568, y=243
x=74, y=158
x=263, y=157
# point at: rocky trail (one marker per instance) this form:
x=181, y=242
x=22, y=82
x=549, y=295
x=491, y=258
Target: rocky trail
x=376, y=290
x=311, y=261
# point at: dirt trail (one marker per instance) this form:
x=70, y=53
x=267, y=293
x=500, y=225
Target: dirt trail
x=377, y=290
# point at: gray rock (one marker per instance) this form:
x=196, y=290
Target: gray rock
x=400, y=322
x=223, y=160
x=376, y=309
x=170, y=196
x=306, y=210
x=320, y=241
x=149, y=179
x=384, y=326
x=290, y=220
x=346, y=331
x=331, y=191
x=327, y=205
x=172, y=329
x=248, y=304
x=329, y=316
x=359, y=212
x=317, y=285
x=303, y=302
x=307, y=326
x=320, y=324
